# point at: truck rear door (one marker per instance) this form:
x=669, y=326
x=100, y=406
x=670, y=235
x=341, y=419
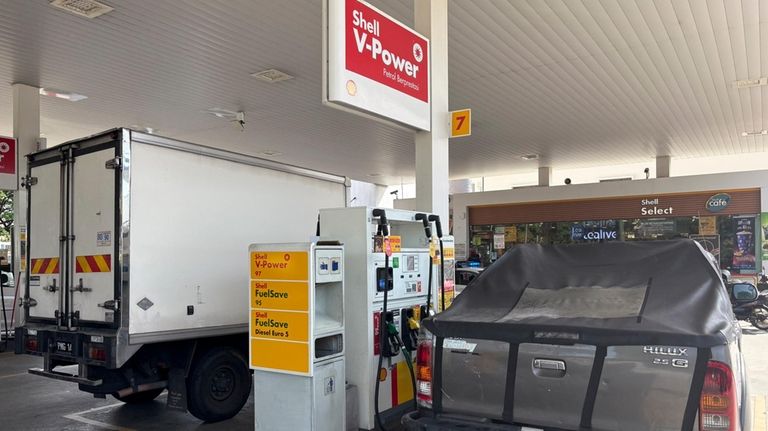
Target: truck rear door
x=73, y=212
x=637, y=388
x=45, y=228
x=92, y=264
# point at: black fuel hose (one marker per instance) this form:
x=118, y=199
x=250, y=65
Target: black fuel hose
x=5, y=315
x=439, y=228
x=384, y=230
x=428, y=232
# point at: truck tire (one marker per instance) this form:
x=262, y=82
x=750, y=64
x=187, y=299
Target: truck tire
x=218, y=385
x=140, y=397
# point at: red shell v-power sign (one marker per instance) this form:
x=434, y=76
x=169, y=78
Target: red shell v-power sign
x=385, y=51
x=375, y=65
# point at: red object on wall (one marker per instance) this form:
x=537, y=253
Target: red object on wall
x=7, y=155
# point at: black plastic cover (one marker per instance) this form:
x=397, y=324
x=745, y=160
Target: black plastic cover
x=615, y=293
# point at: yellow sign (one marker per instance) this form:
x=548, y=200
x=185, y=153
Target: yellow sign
x=280, y=295
x=280, y=325
x=280, y=355
x=449, y=253
x=279, y=265
x=510, y=233
x=396, y=243
x=708, y=225
x=461, y=123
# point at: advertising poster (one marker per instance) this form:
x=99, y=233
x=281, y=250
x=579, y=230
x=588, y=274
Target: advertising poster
x=708, y=225
x=511, y=233
x=764, y=242
x=498, y=241
x=744, y=244
x=710, y=243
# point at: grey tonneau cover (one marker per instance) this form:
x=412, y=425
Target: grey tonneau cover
x=655, y=292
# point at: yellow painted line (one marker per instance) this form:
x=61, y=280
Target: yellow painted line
x=758, y=413
x=13, y=375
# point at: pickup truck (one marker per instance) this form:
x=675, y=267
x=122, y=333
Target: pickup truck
x=630, y=336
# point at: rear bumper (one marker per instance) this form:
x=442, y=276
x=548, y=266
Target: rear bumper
x=417, y=421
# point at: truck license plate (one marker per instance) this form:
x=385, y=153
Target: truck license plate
x=64, y=346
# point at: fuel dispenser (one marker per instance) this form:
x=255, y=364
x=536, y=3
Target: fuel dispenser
x=387, y=274
x=297, y=344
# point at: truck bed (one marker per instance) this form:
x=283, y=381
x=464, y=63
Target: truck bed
x=603, y=337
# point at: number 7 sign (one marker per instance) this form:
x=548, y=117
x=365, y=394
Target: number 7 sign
x=461, y=123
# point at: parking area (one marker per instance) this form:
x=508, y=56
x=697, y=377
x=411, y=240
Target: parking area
x=755, y=345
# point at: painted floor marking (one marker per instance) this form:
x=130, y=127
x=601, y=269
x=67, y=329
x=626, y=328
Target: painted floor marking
x=77, y=417
x=13, y=375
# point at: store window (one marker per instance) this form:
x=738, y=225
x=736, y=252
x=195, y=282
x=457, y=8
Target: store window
x=731, y=239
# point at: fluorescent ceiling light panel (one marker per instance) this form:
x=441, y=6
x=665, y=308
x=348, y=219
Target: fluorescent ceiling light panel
x=272, y=75
x=61, y=94
x=749, y=83
x=530, y=157
x=758, y=133
x=85, y=8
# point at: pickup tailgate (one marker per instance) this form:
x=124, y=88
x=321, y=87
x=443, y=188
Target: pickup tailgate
x=548, y=385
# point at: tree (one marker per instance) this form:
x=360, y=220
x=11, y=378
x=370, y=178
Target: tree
x=6, y=215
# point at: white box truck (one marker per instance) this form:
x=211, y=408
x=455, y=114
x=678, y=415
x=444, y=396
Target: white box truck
x=137, y=263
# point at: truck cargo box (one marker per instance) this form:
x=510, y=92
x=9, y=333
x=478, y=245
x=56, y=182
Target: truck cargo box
x=144, y=239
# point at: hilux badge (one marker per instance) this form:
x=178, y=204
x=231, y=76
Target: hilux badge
x=666, y=351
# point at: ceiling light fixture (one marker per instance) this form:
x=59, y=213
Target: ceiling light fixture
x=61, y=94
x=272, y=76
x=85, y=8
x=530, y=157
x=749, y=83
x=374, y=175
x=758, y=133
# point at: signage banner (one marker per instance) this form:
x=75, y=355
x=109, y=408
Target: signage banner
x=498, y=241
x=710, y=243
x=744, y=244
x=375, y=65
x=8, y=164
x=764, y=242
x=593, y=233
x=708, y=225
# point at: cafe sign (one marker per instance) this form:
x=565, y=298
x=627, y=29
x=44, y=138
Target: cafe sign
x=718, y=202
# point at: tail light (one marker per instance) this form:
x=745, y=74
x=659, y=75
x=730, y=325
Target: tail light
x=97, y=353
x=718, y=409
x=424, y=372
x=32, y=344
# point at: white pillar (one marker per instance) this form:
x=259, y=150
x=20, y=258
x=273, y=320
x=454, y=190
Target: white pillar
x=431, y=20
x=663, y=166
x=26, y=130
x=545, y=176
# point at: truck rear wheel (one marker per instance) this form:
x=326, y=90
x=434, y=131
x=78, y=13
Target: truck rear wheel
x=218, y=385
x=140, y=397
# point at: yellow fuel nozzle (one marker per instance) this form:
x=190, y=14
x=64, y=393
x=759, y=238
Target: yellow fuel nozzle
x=413, y=324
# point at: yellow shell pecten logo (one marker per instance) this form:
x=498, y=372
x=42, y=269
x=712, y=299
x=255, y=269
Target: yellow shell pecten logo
x=351, y=87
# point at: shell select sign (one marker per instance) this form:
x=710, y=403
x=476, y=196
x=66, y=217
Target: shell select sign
x=375, y=65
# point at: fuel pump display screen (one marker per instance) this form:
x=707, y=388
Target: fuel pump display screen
x=411, y=263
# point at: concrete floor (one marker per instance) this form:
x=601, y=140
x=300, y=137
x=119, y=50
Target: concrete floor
x=30, y=402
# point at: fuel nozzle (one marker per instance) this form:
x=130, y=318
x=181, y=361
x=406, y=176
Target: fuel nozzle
x=383, y=223
x=425, y=221
x=436, y=218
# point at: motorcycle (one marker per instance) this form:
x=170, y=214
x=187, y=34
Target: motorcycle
x=748, y=304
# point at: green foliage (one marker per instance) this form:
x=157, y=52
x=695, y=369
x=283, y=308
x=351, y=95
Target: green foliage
x=6, y=215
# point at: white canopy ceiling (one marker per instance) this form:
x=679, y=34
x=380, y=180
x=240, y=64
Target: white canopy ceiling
x=580, y=83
